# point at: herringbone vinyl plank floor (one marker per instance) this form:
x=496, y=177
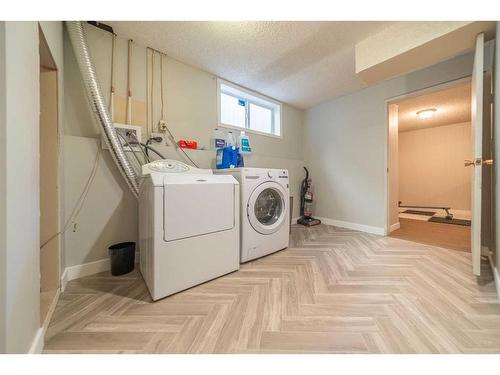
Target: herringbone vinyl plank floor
x=332, y=291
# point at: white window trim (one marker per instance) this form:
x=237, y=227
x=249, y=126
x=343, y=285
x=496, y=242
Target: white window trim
x=253, y=94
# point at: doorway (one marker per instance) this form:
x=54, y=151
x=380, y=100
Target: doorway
x=49, y=182
x=429, y=187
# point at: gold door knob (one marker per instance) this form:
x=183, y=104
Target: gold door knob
x=488, y=162
x=469, y=163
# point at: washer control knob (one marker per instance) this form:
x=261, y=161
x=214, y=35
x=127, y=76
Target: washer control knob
x=270, y=174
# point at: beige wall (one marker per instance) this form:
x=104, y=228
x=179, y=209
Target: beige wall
x=431, y=166
x=190, y=105
x=53, y=32
x=109, y=214
x=190, y=97
x=49, y=181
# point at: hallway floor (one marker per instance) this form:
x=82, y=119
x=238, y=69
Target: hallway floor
x=333, y=291
x=449, y=236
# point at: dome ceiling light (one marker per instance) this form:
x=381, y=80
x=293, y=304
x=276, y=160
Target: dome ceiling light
x=426, y=113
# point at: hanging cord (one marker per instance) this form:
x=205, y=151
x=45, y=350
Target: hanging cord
x=81, y=199
x=172, y=139
x=148, y=147
x=127, y=144
x=137, y=141
x=129, y=84
x=112, y=95
x=151, y=140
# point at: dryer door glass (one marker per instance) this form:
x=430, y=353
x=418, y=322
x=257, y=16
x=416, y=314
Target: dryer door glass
x=268, y=206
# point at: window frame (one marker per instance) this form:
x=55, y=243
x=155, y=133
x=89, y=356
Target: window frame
x=249, y=100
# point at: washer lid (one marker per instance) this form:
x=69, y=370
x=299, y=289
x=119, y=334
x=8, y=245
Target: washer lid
x=267, y=207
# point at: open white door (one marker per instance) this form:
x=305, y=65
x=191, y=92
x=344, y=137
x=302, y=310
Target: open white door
x=477, y=152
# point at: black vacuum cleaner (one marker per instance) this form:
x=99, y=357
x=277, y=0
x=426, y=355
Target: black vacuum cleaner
x=306, y=199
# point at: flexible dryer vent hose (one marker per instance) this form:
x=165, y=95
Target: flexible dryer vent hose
x=97, y=104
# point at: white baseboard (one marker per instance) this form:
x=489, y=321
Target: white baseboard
x=87, y=269
x=496, y=276
x=81, y=270
x=354, y=226
x=38, y=341
x=64, y=279
x=51, y=310
x=394, y=227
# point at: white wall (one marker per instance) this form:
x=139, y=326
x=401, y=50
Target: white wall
x=346, y=141
x=21, y=185
x=3, y=176
x=19, y=180
x=431, y=166
x=110, y=214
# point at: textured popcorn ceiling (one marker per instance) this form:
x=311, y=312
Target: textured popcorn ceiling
x=300, y=63
x=453, y=106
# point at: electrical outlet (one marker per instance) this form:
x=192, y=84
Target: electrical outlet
x=162, y=126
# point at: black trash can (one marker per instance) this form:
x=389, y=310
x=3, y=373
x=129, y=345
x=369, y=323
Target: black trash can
x=122, y=257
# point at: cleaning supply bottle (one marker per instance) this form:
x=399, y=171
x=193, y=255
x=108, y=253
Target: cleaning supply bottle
x=241, y=160
x=218, y=140
x=244, y=143
x=230, y=140
x=227, y=157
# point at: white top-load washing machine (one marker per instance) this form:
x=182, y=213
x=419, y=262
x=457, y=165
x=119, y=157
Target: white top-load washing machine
x=265, y=212
x=188, y=226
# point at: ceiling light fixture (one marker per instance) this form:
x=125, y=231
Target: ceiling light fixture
x=426, y=113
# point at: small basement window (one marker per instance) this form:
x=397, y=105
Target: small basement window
x=246, y=110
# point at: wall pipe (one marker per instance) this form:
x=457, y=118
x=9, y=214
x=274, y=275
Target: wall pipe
x=97, y=104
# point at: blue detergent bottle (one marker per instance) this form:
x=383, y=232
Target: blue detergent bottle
x=227, y=157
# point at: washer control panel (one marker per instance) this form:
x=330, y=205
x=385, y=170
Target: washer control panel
x=171, y=166
x=283, y=173
x=168, y=166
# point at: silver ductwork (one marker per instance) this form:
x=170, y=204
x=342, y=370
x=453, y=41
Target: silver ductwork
x=97, y=103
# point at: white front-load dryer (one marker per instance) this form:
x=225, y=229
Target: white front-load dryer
x=265, y=211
